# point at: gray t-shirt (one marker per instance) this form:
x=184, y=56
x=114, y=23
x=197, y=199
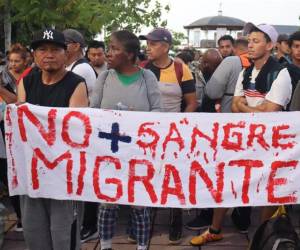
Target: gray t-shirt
x=222, y=83
x=142, y=95
x=101, y=69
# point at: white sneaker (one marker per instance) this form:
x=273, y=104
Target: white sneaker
x=18, y=227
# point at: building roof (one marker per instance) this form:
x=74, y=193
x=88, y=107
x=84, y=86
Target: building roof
x=286, y=29
x=214, y=22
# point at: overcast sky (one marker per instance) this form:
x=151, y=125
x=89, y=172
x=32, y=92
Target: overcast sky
x=184, y=12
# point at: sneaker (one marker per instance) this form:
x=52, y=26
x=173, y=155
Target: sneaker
x=175, y=233
x=88, y=234
x=205, y=238
x=241, y=218
x=18, y=227
x=201, y=221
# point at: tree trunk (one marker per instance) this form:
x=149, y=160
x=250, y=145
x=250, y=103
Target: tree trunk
x=7, y=25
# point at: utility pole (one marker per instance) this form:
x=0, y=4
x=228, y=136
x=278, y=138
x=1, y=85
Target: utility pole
x=7, y=24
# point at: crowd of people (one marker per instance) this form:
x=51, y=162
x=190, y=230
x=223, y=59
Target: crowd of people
x=256, y=73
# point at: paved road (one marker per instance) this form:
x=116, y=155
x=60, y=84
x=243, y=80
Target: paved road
x=232, y=241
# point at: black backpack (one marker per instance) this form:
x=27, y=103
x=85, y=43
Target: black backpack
x=83, y=60
x=276, y=233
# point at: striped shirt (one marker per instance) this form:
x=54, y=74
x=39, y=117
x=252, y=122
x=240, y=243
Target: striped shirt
x=172, y=91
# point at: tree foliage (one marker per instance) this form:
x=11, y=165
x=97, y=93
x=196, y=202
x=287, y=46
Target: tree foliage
x=178, y=38
x=89, y=16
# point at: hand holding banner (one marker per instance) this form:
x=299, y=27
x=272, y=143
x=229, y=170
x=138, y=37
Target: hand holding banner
x=153, y=159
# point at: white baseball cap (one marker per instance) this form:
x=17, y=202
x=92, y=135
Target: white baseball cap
x=269, y=30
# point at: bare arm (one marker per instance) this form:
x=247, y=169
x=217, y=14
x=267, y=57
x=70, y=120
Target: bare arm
x=266, y=106
x=238, y=94
x=21, y=94
x=7, y=96
x=239, y=104
x=234, y=105
x=191, y=102
x=79, y=97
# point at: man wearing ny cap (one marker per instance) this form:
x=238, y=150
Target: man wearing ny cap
x=265, y=86
x=76, y=61
x=51, y=224
x=177, y=86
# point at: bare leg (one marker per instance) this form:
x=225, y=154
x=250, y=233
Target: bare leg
x=218, y=218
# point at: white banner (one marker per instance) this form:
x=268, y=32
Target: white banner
x=153, y=159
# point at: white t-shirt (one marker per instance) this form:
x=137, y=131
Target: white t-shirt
x=280, y=92
x=86, y=71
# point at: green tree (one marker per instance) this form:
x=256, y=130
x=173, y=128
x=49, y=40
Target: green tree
x=89, y=16
x=178, y=38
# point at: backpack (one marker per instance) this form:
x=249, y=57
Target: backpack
x=177, y=65
x=83, y=60
x=178, y=71
x=276, y=233
x=266, y=76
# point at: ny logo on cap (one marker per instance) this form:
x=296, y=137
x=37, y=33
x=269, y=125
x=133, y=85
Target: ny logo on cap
x=48, y=34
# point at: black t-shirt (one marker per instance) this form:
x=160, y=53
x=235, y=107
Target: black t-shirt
x=53, y=95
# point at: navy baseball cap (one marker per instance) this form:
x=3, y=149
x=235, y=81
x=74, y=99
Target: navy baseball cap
x=48, y=35
x=158, y=34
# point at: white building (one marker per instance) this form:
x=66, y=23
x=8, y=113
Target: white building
x=206, y=31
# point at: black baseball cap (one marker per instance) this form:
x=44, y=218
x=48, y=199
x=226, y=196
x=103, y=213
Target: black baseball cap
x=48, y=35
x=158, y=34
